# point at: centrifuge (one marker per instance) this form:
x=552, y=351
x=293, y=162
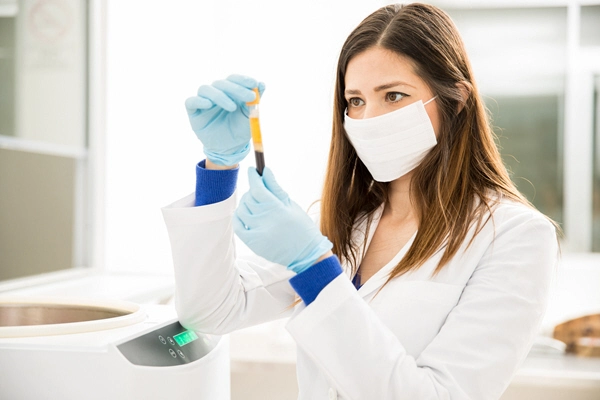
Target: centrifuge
x=106, y=349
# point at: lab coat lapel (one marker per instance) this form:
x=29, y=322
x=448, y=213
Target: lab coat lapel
x=358, y=237
x=381, y=276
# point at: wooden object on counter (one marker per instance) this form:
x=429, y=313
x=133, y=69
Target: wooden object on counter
x=581, y=335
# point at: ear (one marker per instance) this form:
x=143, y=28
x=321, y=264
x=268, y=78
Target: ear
x=465, y=91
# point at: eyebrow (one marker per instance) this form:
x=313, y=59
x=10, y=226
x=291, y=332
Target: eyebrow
x=381, y=87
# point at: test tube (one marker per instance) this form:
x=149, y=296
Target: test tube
x=255, y=132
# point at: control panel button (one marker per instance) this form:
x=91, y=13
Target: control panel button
x=172, y=353
x=162, y=339
x=171, y=340
x=180, y=353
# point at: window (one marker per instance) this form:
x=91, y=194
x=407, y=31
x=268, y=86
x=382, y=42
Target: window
x=43, y=136
x=596, y=187
x=529, y=130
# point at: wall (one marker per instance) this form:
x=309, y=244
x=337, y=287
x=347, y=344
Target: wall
x=159, y=54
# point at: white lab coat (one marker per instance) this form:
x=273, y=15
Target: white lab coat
x=460, y=335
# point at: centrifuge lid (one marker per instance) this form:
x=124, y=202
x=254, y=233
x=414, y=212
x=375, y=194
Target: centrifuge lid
x=27, y=317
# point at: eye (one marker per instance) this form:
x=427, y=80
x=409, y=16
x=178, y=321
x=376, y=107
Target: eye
x=355, y=102
x=394, y=97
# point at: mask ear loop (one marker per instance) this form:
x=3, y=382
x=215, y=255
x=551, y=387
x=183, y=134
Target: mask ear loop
x=430, y=100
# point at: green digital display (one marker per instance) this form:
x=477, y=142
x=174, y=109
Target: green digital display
x=186, y=337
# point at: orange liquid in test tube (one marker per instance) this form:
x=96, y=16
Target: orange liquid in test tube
x=255, y=132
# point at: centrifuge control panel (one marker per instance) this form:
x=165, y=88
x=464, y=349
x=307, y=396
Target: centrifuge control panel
x=168, y=346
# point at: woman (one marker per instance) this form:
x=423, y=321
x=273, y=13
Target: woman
x=430, y=273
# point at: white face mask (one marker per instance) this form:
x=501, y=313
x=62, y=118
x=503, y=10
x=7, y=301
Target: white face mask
x=392, y=144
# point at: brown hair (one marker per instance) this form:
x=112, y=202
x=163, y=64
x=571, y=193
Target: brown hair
x=459, y=179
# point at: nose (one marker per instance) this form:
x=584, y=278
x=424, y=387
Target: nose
x=373, y=110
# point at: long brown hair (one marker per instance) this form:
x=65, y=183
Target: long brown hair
x=457, y=182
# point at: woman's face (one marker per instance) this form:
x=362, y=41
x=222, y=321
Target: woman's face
x=379, y=81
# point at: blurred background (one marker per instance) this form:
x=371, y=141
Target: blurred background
x=94, y=136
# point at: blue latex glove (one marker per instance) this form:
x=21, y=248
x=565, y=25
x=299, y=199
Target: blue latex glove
x=275, y=227
x=219, y=117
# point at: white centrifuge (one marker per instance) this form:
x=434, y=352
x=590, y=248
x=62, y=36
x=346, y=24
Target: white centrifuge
x=106, y=349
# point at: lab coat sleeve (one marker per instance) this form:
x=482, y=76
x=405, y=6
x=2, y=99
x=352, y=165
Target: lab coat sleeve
x=213, y=186
x=215, y=292
x=477, y=350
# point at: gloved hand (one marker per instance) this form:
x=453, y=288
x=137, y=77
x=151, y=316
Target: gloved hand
x=275, y=227
x=219, y=117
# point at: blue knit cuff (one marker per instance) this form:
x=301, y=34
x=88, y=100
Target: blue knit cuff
x=213, y=186
x=309, y=283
